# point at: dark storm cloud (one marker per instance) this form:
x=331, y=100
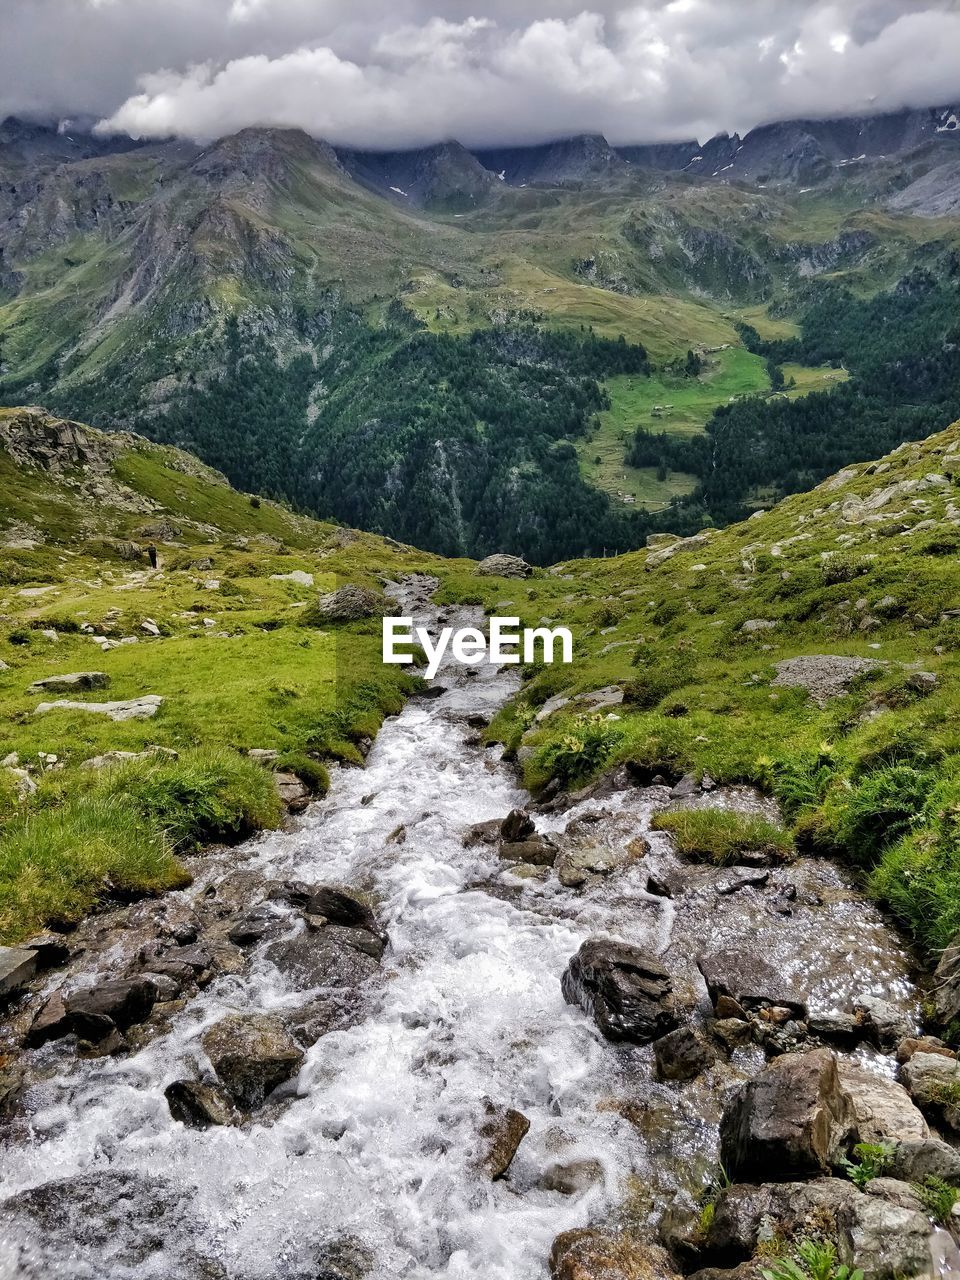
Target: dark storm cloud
x=416, y=71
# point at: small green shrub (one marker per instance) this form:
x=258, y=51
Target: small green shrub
x=870, y=1160
x=811, y=1260
x=938, y=1198
x=878, y=811
x=310, y=772
x=581, y=752
x=722, y=836
x=657, y=679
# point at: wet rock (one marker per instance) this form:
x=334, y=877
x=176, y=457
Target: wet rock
x=926, y=1157
x=589, y=1253
x=251, y=1054
x=627, y=990
x=687, y=786
x=501, y=1132
x=733, y=879
x=682, y=1054
x=922, y=1044
x=842, y=1029
x=571, y=1178
x=343, y=1260
x=348, y=604
x=732, y=1033
x=258, y=923
x=51, y=1023
x=539, y=851
x=74, y=682
x=882, y=1107
x=503, y=566
x=946, y=985
x=340, y=906
x=794, y=1119
x=315, y=1019
x=884, y=1024
x=933, y=1082
x=517, y=825
x=750, y=982
x=17, y=966
x=95, y=1012
x=589, y=860
x=106, y=1222
x=199, y=1105
x=482, y=833
x=884, y=1239
x=296, y=795
x=330, y=957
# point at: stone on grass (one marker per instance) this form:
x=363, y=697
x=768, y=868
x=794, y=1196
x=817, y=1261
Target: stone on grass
x=503, y=566
x=134, y=709
x=73, y=682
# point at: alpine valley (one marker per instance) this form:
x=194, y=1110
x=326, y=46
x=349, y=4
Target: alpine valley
x=552, y=350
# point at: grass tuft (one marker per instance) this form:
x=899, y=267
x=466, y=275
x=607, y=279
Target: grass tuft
x=723, y=837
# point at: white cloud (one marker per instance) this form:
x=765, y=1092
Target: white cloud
x=481, y=70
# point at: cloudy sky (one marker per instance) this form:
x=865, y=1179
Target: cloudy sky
x=414, y=71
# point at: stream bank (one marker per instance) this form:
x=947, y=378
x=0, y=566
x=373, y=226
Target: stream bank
x=363, y=1047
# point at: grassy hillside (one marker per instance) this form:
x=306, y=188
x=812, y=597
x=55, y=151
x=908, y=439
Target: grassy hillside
x=865, y=567
x=218, y=631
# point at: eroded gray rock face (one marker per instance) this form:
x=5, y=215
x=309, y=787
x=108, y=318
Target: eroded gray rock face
x=627, y=990
x=251, y=1054
x=882, y=1107
x=823, y=675
x=132, y=709
x=933, y=1082
x=504, y=566
x=946, y=985
x=794, y=1119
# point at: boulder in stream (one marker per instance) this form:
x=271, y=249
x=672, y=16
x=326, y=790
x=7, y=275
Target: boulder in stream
x=328, y=956
x=590, y=1253
x=682, y=1054
x=501, y=1132
x=251, y=1054
x=625, y=988
x=794, y=1119
x=199, y=1105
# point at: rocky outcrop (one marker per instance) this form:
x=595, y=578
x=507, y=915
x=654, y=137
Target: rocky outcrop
x=883, y=1238
x=824, y=675
x=794, y=1119
x=625, y=989
x=741, y=982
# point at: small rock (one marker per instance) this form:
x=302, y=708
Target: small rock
x=682, y=1054
x=134, y=709
x=517, y=825
x=589, y=1253
x=503, y=566
x=573, y=1178
x=348, y=603
x=74, y=682
x=625, y=989
x=251, y=1054
x=502, y=1131
x=199, y=1105
x=539, y=851
x=750, y=981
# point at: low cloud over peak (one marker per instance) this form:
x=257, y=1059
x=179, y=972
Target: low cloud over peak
x=484, y=72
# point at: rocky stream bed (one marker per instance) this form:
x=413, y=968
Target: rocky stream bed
x=434, y=1030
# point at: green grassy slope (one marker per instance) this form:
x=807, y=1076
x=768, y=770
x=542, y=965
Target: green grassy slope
x=867, y=565
x=236, y=661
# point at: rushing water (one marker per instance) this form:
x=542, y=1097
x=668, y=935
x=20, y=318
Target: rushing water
x=379, y=1144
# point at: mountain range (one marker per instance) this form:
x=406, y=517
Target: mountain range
x=373, y=335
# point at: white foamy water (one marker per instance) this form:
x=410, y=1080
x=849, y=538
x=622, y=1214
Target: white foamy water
x=379, y=1143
